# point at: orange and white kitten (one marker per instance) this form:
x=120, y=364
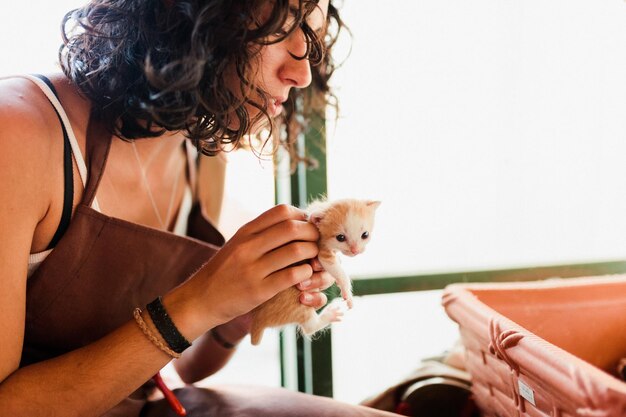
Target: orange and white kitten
x=345, y=226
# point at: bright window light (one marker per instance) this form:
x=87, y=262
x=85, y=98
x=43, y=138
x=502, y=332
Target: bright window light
x=493, y=132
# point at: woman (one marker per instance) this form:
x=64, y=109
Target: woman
x=95, y=178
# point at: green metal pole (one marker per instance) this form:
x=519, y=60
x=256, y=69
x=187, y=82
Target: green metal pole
x=312, y=372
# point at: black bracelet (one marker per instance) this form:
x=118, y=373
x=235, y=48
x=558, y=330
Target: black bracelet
x=220, y=340
x=166, y=326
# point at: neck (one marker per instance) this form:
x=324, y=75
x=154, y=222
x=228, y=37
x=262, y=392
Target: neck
x=160, y=150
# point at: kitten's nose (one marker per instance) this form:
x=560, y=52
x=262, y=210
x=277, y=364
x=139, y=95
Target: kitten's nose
x=354, y=250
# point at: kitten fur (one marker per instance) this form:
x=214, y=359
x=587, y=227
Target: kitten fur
x=350, y=218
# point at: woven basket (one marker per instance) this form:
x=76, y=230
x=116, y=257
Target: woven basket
x=547, y=348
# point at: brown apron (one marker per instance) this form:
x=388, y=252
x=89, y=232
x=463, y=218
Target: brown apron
x=104, y=267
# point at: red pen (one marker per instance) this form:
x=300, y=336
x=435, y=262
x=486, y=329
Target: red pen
x=169, y=395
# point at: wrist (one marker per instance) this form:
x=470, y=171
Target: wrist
x=188, y=319
x=231, y=332
x=225, y=341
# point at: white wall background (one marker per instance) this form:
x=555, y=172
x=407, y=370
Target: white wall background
x=30, y=34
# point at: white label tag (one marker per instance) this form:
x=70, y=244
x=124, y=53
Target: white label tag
x=526, y=392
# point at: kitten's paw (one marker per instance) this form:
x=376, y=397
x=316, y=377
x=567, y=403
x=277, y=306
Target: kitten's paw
x=333, y=312
x=347, y=296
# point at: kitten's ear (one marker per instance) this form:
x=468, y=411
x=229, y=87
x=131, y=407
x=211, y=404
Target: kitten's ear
x=373, y=204
x=317, y=211
x=316, y=217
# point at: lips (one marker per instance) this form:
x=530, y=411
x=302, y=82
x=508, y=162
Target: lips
x=276, y=105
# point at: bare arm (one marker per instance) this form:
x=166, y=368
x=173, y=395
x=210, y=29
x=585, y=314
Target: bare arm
x=208, y=353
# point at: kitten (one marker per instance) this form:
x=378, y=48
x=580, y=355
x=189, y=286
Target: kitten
x=345, y=226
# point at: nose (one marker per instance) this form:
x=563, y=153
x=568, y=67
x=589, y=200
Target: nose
x=354, y=250
x=296, y=72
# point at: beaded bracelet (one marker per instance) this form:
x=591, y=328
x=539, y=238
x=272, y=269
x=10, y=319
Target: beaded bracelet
x=166, y=326
x=155, y=340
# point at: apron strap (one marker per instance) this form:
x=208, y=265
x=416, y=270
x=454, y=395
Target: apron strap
x=98, y=146
x=192, y=168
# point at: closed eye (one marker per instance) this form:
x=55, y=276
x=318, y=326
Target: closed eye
x=288, y=27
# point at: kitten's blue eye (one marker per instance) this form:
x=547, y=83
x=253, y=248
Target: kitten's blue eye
x=365, y=235
x=341, y=238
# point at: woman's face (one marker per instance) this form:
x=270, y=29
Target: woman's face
x=277, y=71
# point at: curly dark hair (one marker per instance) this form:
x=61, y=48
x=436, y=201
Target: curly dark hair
x=150, y=66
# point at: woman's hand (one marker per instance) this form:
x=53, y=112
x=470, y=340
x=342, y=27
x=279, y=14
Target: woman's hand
x=312, y=288
x=266, y=256
x=311, y=296
x=208, y=354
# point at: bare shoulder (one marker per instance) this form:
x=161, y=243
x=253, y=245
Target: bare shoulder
x=24, y=109
x=27, y=122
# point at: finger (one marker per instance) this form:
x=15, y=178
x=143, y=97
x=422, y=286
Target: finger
x=287, y=255
x=273, y=216
x=316, y=265
x=313, y=299
x=282, y=233
x=319, y=281
x=287, y=277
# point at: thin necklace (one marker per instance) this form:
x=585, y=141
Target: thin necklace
x=146, y=164
x=144, y=177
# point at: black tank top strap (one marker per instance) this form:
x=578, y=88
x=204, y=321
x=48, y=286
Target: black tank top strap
x=68, y=174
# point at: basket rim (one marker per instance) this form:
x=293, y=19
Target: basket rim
x=534, y=357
